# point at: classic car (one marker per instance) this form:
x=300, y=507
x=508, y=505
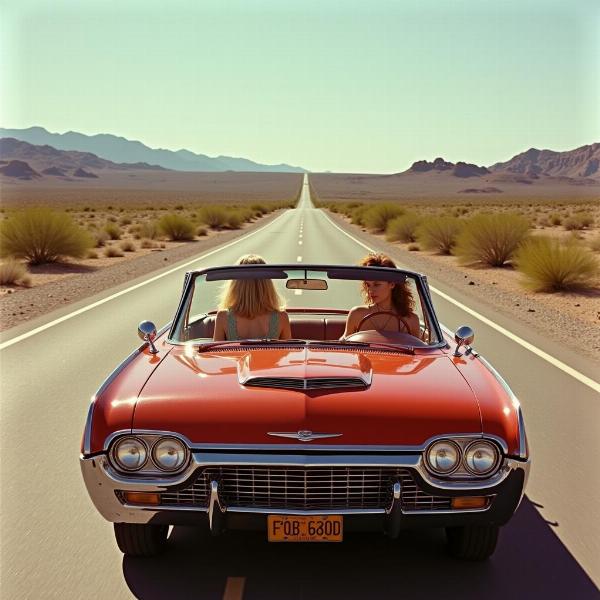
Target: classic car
x=308, y=438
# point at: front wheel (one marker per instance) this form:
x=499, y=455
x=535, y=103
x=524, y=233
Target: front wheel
x=472, y=542
x=141, y=540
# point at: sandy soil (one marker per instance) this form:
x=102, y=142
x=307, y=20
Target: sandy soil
x=557, y=315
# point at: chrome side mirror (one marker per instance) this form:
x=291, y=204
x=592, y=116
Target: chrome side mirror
x=147, y=331
x=464, y=336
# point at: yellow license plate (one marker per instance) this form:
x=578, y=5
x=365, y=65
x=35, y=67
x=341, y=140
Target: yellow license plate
x=288, y=528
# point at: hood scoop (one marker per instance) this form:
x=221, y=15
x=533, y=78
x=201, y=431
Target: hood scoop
x=312, y=383
x=306, y=369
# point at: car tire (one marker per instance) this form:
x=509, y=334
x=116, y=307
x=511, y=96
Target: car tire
x=472, y=542
x=141, y=540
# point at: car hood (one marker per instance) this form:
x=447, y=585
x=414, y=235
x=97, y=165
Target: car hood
x=405, y=399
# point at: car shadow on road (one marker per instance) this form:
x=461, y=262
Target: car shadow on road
x=530, y=562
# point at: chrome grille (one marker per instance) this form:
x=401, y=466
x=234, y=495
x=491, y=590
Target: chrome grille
x=312, y=383
x=314, y=488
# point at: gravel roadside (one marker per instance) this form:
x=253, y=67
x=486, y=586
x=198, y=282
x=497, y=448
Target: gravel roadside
x=26, y=304
x=555, y=323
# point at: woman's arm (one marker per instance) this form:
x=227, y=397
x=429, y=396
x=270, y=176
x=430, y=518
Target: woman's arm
x=220, y=332
x=285, y=331
x=352, y=321
x=414, y=327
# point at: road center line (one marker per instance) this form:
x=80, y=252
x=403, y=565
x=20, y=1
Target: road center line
x=84, y=309
x=509, y=334
x=234, y=588
x=299, y=259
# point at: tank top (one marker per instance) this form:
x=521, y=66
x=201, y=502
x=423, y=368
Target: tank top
x=232, y=333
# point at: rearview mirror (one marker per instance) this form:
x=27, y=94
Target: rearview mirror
x=306, y=284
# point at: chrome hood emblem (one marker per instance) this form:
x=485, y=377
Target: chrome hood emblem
x=304, y=435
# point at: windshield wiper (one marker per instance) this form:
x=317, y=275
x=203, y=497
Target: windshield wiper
x=250, y=342
x=406, y=349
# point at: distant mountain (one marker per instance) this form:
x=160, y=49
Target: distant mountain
x=19, y=169
x=460, y=169
x=121, y=150
x=583, y=162
x=60, y=163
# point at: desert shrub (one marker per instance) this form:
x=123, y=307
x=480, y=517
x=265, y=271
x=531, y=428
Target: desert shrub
x=113, y=230
x=124, y=221
x=259, y=209
x=403, y=229
x=127, y=246
x=176, y=228
x=100, y=238
x=12, y=272
x=491, y=239
x=112, y=252
x=213, y=216
x=440, y=233
x=41, y=235
x=377, y=216
x=201, y=231
x=149, y=229
x=413, y=247
x=235, y=218
x=111, y=219
x=579, y=221
x=146, y=243
x=179, y=207
x=550, y=266
x=357, y=213
x=556, y=219
x=92, y=254
x=595, y=243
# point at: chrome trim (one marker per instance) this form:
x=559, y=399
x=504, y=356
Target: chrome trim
x=158, y=432
x=523, y=446
x=87, y=433
x=304, y=435
x=396, y=497
x=214, y=503
x=279, y=511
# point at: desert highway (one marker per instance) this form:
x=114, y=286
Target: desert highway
x=55, y=545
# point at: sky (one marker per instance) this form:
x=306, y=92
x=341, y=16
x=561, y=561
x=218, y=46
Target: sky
x=345, y=86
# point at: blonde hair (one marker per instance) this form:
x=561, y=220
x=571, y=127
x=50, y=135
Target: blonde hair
x=250, y=298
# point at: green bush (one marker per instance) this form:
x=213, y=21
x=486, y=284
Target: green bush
x=235, y=218
x=440, y=233
x=377, y=216
x=148, y=230
x=259, y=209
x=41, y=235
x=357, y=213
x=213, y=216
x=550, y=266
x=12, y=272
x=176, y=228
x=403, y=229
x=491, y=239
x=113, y=230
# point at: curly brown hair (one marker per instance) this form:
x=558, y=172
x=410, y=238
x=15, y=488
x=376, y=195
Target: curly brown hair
x=402, y=297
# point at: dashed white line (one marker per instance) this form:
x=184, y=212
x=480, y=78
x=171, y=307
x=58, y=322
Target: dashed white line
x=299, y=259
x=509, y=334
x=300, y=243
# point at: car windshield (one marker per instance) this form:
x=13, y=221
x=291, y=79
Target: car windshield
x=317, y=301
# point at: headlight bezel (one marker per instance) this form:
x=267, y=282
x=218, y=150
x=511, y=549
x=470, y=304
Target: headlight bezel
x=492, y=469
x=157, y=463
x=449, y=442
x=129, y=438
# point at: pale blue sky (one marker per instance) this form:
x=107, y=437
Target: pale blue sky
x=329, y=85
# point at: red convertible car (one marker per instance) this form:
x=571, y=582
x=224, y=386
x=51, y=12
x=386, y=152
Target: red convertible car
x=307, y=438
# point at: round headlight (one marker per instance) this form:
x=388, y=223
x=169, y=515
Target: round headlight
x=443, y=457
x=481, y=458
x=169, y=454
x=130, y=454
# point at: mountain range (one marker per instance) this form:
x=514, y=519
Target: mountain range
x=121, y=150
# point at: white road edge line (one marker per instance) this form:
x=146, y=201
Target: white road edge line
x=84, y=309
x=515, y=338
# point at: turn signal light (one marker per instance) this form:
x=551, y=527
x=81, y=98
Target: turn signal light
x=141, y=498
x=469, y=502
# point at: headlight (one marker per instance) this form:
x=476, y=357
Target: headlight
x=481, y=457
x=130, y=454
x=443, y=457
x=169, y=454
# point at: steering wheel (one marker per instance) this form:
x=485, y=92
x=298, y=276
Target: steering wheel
x=401, y=321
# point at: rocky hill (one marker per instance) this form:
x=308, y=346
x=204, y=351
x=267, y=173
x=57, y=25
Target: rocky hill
x=460, y=169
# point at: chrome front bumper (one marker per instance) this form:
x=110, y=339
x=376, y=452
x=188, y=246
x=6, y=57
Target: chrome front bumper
x=104, y=485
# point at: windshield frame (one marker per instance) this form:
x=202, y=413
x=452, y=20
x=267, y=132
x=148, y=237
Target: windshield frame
x=341, y=272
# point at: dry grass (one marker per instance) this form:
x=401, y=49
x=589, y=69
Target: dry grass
x=176, y=228
x=12, y=272
x=440, y=233
x=403, y=229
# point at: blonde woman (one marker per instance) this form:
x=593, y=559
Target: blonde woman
x=251, y=309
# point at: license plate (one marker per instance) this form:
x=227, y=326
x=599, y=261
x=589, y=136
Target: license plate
x=289, y=528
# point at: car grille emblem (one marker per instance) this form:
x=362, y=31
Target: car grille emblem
x=303, y=435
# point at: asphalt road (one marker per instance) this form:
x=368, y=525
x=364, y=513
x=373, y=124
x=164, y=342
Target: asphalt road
x=55, y=545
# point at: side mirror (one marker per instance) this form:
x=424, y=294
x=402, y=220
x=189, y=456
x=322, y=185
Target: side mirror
x=464, y=336
x=147, y=331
